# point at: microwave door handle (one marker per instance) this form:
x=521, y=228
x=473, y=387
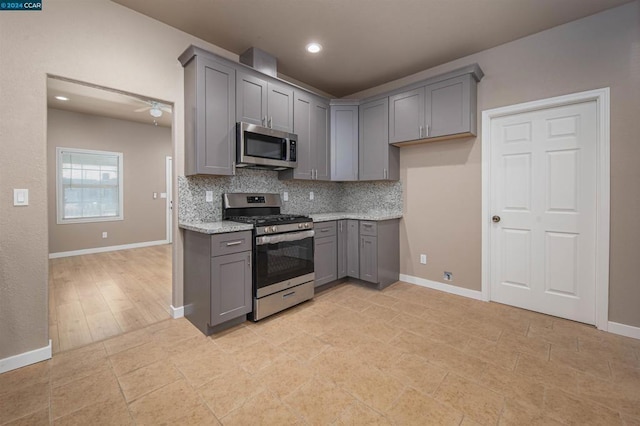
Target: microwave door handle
x=274, y=239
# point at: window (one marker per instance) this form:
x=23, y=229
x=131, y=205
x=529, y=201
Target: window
x=89, y=185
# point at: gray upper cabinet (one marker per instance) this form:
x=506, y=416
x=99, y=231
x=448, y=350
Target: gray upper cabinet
x=311, y=124
x=378, y=160
x=406, y=116
x=210, y=105
x=344, y=142
x=444, y=107
x=451, y=107
x=264, y=103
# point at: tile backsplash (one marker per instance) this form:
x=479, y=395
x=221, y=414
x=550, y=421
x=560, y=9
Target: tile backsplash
x=360, y=197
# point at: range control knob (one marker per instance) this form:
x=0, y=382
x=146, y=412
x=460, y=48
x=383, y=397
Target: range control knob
x=266, y=229
x=300, y=226
x=307, y=225
x=274, y=228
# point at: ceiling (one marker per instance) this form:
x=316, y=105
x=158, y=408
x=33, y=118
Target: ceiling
x=366, y=42
x=94, y=100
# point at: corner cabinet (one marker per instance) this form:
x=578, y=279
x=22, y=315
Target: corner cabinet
x=210, y=115
x=444, y=107
x=380, y=252
x=311, y=124
x=377, y=159
x=217, y=279
x=264, y=103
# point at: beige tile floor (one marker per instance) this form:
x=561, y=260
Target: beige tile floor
x=406, y=355
x=97, y=296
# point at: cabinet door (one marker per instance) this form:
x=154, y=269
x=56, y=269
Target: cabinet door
x=448, y=106
x=342, y=248
x=302, y=119
x=406, y=116
x=280, y=107
x=320, y=141
x=230, y=287
x=374, y=140
x=344, y=142
x=325, y=260
x=251, y=100
x=369, y=258
x=216, y=140
x=353, y=248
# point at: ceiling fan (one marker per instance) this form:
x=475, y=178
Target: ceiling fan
x=155, y=108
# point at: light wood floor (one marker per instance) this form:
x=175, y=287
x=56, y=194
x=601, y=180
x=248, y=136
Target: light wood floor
x=97, y=296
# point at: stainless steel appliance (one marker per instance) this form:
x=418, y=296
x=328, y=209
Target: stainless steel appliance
x=262, y=147
x=283, y=270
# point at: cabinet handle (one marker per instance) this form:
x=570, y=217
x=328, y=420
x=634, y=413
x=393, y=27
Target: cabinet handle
x=367, y=225
x=421, y=129
x=384, y=173
x=233, y=168
x=324, y=230
x=362, y=242
x=234, y=243
x=284, y=296
x=271, y=122
x=249, y=261
x=264, y=121
x=427, y=130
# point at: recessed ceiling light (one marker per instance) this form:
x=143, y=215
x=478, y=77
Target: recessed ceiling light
x=314, y=47
x=62, y=98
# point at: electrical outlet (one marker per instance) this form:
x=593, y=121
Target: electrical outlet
x=104, y=235
x=448, y=276
x=209, y=196
x=285, y=196
x=311, y=196
x=423, y=259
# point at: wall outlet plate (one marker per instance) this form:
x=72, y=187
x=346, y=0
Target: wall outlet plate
x=448, y=276
x=104, y=235
x=311, y=196
x=285, y=196
x=209, y=196
x=423, y=259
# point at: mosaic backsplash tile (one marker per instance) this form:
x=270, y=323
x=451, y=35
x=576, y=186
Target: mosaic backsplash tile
x=328, y=196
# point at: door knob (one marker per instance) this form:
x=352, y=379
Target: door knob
x=495, y=219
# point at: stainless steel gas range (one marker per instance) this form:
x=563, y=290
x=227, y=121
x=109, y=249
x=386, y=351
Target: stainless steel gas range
x=283, y=271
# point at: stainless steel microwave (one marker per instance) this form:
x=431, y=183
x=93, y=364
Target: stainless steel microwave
x=261, y=147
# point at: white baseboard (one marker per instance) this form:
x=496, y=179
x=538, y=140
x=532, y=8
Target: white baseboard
x=106, y=249
x=25, y=359
x=624, y=330
x=177, y=312
x=448, y=288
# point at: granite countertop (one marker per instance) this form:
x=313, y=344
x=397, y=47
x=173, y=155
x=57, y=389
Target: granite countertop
x=216, y=227
x=375, y=216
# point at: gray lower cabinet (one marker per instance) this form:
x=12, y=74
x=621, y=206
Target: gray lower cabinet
x=209, y=90
x=217, y=279
x=264, y=103
x=377, y=159
x=325, y=253
x=344, y=142
x=380, y=252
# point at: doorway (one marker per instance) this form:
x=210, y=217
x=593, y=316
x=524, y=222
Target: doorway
x=110, y=267
x=546, y=206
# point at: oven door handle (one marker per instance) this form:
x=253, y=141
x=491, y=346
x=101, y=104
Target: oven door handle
x=281, y=238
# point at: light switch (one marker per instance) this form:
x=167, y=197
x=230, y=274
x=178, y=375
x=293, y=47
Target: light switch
x=285, y=196
x=163, y=195
x=155, y=195
x=209, y=196
x=20, y=197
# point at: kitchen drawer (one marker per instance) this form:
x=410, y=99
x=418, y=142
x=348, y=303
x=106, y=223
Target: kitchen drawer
x=325, y=229
x=232, y=242
x=368, y=227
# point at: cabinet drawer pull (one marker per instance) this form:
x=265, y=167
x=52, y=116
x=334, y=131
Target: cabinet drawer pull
x=288, y=294
x=367, y=225
x=325, y=230
x=234, y=243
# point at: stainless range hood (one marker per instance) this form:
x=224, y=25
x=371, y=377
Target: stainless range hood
x=261, y=61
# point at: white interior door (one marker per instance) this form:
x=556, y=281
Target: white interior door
x=543, y=192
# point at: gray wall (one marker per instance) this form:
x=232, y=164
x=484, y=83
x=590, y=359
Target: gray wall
x=442, y=181
x=144, y=147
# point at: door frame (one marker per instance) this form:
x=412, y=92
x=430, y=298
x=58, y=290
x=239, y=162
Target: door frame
x=603, y=178
x=169, y=192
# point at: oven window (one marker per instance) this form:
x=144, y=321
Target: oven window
x=283, y=261
x=263, y=146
